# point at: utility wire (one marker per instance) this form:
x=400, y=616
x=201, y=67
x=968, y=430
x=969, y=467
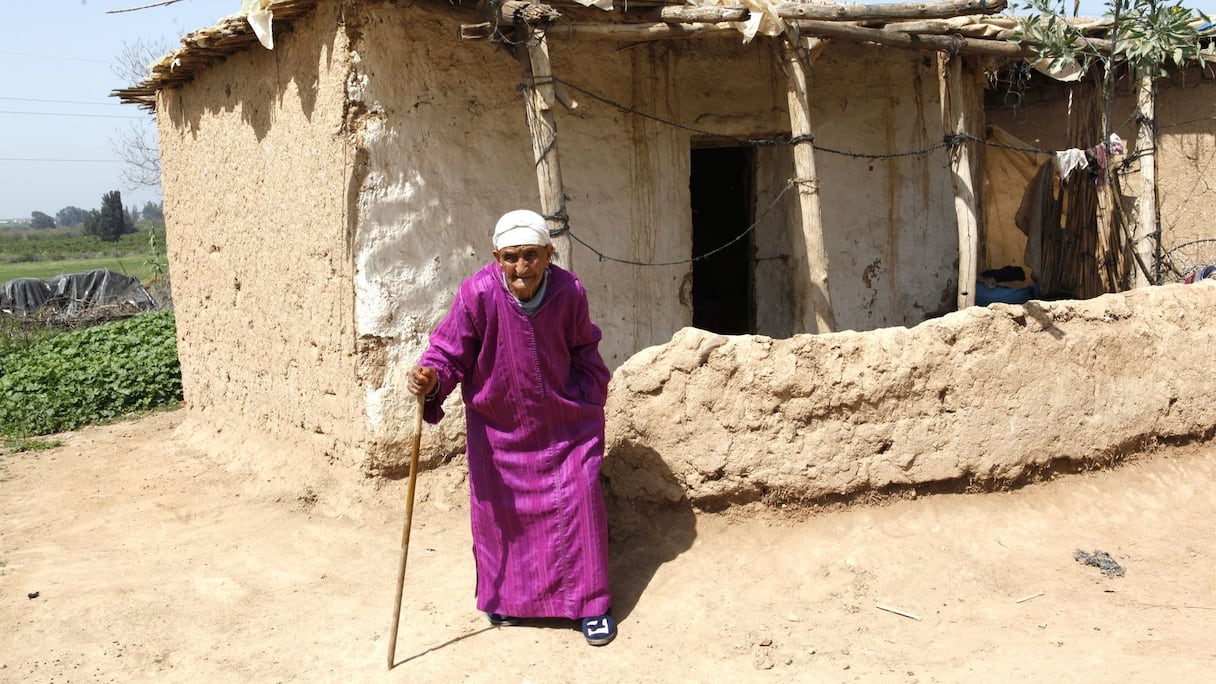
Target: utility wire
x=165, y=3
x=83, y=116
x=31, y=159
x=59, y=57
x=79, y=102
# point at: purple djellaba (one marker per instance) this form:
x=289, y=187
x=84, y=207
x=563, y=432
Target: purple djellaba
x=520, y=343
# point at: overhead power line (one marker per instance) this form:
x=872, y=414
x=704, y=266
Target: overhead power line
x=31, y=159
x=79, y=102
x=60, y=57
x=164, y=3
x=84, y=116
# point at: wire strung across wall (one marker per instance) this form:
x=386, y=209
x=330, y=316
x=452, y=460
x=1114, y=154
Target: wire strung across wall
x=948, y=141
x=604, y=257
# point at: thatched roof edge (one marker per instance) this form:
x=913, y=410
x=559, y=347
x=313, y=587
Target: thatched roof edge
x=205, y=47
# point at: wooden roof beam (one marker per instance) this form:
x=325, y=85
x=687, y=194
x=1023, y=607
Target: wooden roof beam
x=636, y=33
x=850, y=12
x=629, y=33
x=954, y=44
x=533, y=14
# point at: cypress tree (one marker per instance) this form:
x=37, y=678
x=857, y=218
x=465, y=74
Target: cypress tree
x=113, y=220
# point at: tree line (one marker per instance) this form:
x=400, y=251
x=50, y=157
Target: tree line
x=108, y=223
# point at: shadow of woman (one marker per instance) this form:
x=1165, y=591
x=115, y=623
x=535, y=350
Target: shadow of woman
x=650, y=521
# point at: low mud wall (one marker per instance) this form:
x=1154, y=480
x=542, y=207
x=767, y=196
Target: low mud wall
x=987, y=394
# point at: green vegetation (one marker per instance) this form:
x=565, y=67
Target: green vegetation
x=51, y=380
x=55, y=382
x=16, y=445
x=17, y=334
x=18, y=244
x=27, y=253
x=1148, y=35
x=111, y=222
x=40, y=221
x=134, y=266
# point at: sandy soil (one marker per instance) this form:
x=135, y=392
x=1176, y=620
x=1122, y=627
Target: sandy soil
x=152, y=563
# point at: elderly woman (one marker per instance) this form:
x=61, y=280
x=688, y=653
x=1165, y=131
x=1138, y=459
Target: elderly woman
x=520, y=343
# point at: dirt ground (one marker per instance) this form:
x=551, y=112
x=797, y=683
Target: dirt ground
x=151, y=562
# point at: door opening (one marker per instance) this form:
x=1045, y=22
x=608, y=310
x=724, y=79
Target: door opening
x=721, y=191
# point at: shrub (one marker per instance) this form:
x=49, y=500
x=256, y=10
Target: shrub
x=18, y=333
x=96, y=374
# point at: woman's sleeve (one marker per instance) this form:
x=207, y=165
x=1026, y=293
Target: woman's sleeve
x=453, y=350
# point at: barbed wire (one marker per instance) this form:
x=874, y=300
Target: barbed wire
x=604, y=257
x=948, y=141
x=748, y=141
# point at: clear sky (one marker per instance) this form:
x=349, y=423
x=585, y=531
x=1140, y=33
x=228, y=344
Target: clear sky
x=58, y=125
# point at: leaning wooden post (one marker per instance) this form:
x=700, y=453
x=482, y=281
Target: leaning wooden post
x=958, y=106
x=1110, y=260
x=539, y=97
x=1146, y=237
x=814, y=299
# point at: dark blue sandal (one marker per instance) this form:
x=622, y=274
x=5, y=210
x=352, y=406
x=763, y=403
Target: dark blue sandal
x=503, y=620
x=599, y=630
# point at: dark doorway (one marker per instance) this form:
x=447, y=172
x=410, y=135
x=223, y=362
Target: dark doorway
x=720, y=186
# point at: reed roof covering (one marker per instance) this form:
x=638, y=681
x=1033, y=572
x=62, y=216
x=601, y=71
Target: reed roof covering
x=951, y=25
x=205, y=47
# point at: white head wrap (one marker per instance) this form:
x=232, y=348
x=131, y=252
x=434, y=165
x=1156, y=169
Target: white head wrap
x=521, y=227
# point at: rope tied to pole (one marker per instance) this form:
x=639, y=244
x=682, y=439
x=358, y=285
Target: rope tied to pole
x=561, y=217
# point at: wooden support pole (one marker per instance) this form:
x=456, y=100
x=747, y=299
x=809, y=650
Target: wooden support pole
x=959, y=100
x=1146, y=236
x=1109, y=256
x=814, y=300
x=539, y=97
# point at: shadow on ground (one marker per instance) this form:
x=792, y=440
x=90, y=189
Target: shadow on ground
x=651, y=522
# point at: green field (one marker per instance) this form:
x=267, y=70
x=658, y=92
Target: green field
x=130, y=265
x=45, y=254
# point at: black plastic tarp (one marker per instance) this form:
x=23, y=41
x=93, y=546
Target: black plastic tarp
x=24, y=295
x=75, y=293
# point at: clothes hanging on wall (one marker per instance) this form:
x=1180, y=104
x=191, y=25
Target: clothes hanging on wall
x=1039, y=212
x=1092, y=159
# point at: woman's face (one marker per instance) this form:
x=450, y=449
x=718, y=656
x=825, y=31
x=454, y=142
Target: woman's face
x=524, y=266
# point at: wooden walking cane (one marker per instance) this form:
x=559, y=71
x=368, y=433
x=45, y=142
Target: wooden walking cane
x=405, y=532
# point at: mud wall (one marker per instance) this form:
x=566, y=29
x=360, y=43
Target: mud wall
x=326, y=198
x=255, y=169
x=447, y=151
x=985, y=394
